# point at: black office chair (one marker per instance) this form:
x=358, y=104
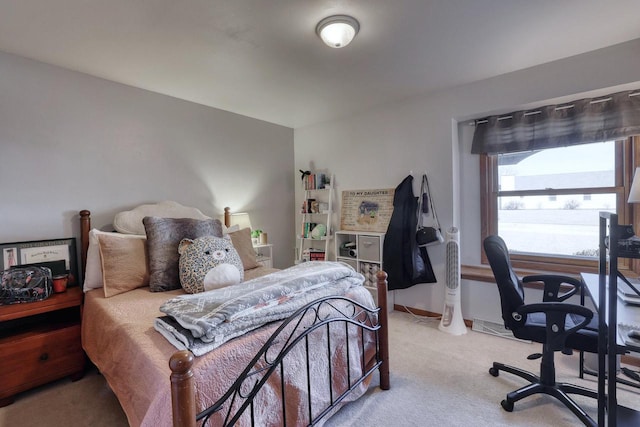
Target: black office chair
x=559, y=326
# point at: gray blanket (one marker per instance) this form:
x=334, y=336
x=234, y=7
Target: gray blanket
x=204, y=321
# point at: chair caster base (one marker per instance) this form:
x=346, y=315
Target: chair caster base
x=506, y=405
x=494, y=372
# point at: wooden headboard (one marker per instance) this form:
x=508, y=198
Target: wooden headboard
x=85, y=227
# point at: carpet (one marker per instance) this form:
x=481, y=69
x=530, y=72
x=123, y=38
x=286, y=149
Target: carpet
x=437, y=379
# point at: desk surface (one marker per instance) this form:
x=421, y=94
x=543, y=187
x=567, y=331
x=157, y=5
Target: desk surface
x=628, y=315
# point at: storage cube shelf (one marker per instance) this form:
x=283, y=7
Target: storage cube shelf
x=363, y=251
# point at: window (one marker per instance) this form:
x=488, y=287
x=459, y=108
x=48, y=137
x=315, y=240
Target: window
x=545, y=203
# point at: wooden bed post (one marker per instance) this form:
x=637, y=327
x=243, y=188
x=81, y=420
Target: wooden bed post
x=85, y=226
x=183, y=399
x=227, y=216
x=381, y=276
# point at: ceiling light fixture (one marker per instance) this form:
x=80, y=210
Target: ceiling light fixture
x=338, y=30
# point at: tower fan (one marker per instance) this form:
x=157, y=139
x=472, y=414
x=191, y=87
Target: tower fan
x=452, y=321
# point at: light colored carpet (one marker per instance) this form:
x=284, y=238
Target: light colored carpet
x=436, y=380
x=442, y=380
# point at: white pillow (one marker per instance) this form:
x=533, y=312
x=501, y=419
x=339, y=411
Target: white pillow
x=226, y=230
x=93, y=269
x=130, y=222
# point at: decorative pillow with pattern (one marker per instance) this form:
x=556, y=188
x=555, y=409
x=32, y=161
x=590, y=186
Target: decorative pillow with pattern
x=163, y=237
x=208, y=263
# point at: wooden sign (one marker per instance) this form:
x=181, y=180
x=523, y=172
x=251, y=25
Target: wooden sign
x=366, y=210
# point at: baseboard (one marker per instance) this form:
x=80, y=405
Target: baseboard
x=425, y=313
x=493, y=328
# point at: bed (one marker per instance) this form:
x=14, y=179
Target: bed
x=297, y=371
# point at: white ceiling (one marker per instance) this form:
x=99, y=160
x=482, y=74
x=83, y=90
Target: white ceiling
x=262, y=58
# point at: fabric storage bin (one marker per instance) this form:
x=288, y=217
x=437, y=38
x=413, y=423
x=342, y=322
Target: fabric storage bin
x=369, y=248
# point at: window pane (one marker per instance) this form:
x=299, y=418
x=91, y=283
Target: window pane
x=567, y=226
x=579, y=166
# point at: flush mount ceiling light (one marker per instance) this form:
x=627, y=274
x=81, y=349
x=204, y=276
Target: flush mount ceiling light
x=338, y=30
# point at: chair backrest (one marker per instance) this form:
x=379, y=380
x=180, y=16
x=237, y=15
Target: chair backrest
x=509, y=284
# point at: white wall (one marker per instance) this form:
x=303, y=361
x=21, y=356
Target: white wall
x=428, y=133
x=69, y=141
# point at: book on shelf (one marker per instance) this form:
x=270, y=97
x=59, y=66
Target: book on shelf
x=313, y=206
x=307, y=227
x=315, y=181
x=310, y=203
x=316, y=255
x=313, y=255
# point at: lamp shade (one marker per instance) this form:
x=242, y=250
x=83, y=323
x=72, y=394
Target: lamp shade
x=338, y=30
x=241, y=220
x=634, y=192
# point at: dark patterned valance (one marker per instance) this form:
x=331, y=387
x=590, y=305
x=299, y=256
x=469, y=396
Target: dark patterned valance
x=583, y=121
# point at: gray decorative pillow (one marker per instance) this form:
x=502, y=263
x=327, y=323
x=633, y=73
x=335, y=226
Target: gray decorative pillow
x=163, y=237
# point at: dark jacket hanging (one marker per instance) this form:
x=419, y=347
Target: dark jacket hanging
x=402, y=260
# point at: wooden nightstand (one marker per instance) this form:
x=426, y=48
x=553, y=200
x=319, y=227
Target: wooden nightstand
x=40, y=342
x=264, y=254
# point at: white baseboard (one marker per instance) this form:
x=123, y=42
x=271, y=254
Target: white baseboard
x=493, y=328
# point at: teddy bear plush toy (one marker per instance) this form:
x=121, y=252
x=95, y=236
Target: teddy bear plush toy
x=208, y=263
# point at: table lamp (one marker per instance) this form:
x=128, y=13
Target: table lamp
x=240, y=220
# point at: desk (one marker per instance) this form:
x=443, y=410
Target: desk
x=627, y=314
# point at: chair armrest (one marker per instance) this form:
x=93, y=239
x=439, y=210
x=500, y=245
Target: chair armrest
x=552, y=283
x=556, y=320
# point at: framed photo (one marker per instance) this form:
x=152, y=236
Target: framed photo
x=42, y=252
x=366, y=210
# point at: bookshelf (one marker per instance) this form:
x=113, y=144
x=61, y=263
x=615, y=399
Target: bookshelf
x=316, y=211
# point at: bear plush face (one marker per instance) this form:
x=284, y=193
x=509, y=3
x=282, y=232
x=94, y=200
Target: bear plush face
x=207, y=263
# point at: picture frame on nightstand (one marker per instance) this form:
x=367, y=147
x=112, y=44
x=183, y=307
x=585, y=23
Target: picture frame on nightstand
x=42, y=252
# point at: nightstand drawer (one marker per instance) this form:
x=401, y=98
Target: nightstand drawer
x=38, y=357
x=369, y=248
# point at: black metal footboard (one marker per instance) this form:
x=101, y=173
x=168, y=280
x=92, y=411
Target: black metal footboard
x=335, y=336
x=311, y=325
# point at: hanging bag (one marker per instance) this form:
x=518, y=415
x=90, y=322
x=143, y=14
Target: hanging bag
x=428, y=232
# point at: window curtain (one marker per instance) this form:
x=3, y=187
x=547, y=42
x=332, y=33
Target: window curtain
x=607, y=118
